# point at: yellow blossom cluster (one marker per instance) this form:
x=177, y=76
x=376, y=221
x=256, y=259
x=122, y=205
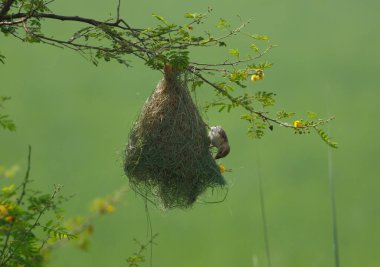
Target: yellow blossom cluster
x=297, y=124
x=259, y=75
x=102, y=206
x=4, y=213
x=222, y=168
x=9, y=173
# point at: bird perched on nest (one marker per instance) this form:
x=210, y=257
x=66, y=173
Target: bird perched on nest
x=218, y=139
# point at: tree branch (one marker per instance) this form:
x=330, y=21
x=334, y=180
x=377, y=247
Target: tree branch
x=6, y=7
x=167, y=43
x=64, y=18
x=234, y=100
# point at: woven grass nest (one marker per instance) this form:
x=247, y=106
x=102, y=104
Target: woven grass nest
x=167, y=157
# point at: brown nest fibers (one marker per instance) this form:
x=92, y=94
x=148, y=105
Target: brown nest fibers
x=167, y=157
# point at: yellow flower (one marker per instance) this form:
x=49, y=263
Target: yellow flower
x=297, y=124
x=255, y=78
x=90, y=229
x=222, y=168
x=259, y=75
x=3, y=211
x=9, y=219
x=102, y=206
x=109, y=208
x=12, y=171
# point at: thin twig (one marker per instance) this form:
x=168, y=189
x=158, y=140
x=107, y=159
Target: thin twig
x=249, y=108
x=75, y=46
x=64, y=18
x=149, y=229
x=33, y=226
x=19, y=201
x=236, y=101
x=234, y=63
x=26, y=179
x=118, y=11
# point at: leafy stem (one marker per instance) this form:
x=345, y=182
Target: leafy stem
x=165, y=43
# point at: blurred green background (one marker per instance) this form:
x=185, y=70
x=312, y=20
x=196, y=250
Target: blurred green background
x=77, y=116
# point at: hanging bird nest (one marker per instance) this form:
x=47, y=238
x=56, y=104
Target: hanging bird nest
x=167, y=157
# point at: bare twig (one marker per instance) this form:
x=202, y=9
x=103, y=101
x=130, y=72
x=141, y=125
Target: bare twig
x=118, y=11
x=233, y=63
x=26, y=179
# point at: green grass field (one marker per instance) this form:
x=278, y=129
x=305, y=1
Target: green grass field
x=77, y=116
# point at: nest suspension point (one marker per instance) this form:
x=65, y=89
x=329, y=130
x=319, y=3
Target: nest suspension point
x=167, y=156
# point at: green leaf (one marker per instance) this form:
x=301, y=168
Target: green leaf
x=222, y=24
x=247, y=117
x=311, y=115
x=260, y=37
x=326, y=138
x=266, y=65
x=263, y=65
x=238, y=75
x=32, y=39
x=283, y=114
x=234, y=52
x=190, y=15
x=193, y=15
x=256, y=130
x=2, y=58
x=221, y=108
x=196, y=83
x=159, y=18
x=254, y=47
x=5, y=122
x=265, y=98
x=222, y=44
x=179, y=59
